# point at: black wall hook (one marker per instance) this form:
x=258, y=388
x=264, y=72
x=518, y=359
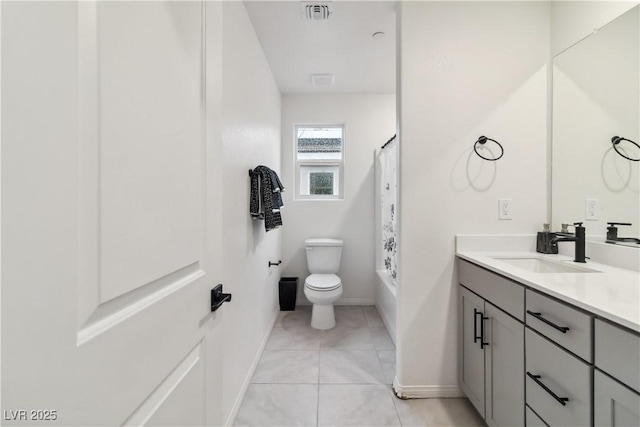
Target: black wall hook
x=483, y=140
x=275, y=263
x=617, y=140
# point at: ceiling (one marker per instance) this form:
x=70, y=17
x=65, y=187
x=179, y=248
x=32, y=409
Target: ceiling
x=342, y=45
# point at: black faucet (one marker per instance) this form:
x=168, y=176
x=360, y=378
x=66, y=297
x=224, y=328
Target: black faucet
x=612, y=233
x=578, y=238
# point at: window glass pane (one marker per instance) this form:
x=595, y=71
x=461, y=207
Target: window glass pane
x=322, y=143
x=321, y=183
x=319, y=180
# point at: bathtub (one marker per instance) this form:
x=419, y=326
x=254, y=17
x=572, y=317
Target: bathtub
x=386, y=302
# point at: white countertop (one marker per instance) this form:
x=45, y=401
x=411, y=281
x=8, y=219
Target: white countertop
x=612, y=293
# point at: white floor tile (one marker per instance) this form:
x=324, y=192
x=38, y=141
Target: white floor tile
x=350, y=367
x=288, y=367
x=279, y=405
x=388, y=362
x=437, y=413
x=356, y=405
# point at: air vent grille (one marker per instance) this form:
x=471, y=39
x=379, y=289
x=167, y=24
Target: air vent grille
x=322, y=79
x=316, y=11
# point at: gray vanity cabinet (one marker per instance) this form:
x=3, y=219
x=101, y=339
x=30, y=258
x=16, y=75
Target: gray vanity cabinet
x=575, y=368
x=614, y=404
x=504, y=365
x=472, y=360
x=616, y=379
x=491, y=364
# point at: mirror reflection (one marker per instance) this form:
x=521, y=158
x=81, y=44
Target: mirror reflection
x=596, y=97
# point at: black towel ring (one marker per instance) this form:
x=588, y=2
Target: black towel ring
x=617, y=140
x=483, y=140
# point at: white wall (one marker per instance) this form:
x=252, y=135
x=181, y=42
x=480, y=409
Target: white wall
x=370, y=120
x=466, y=69
x=571, y=21
x=250, y=137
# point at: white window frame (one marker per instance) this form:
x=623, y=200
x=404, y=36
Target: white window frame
x=322, y=164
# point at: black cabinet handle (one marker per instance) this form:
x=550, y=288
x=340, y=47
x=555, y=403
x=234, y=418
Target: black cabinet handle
x=562, y=400
x=482, y=319
x=480, y=337
x=538, y=316
x=475, y=326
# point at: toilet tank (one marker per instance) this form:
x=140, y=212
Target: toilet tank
x=323, y=255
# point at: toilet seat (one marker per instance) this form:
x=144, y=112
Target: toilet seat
x=322, y=282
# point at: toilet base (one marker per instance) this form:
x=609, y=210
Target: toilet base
x=323, y=316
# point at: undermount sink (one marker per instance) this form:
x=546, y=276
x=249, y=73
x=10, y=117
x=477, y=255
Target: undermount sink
x=543, y=265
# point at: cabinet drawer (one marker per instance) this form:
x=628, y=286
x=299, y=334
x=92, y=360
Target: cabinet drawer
x=617, y=352
x=614, y=404
x=562, y=374
x=561, y=323
x=501, y=292
x=532, y=419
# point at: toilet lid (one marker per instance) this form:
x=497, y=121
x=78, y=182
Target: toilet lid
x=323, y=282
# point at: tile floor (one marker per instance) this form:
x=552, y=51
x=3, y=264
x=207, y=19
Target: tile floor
x=339, y=377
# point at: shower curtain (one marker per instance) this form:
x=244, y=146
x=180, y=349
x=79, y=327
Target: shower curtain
x=389, y=201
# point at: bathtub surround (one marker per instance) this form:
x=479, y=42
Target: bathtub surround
x=369, y=121
x=465, y=69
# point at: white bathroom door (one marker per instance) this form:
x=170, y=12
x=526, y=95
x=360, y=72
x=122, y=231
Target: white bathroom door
x=111, y=232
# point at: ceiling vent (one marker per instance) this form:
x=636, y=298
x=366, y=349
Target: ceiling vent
x=313, y=11
x=322, y=79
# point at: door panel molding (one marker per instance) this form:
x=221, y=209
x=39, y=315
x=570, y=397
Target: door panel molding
x=111, y=313
x=192, y=365
x=123, y=269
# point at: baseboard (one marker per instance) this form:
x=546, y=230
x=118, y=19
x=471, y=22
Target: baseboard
x=425, y=391
x=344, y=301
x=247, y=381
x=356, y=301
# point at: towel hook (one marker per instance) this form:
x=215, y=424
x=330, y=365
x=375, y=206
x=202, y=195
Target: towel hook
x=617, y=140
x=275, y=263
x=483, y=140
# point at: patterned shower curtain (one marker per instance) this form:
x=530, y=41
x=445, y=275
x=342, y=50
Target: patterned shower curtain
x=389, y=201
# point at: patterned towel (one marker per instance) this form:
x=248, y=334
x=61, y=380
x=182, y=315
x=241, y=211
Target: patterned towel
x=265, y=202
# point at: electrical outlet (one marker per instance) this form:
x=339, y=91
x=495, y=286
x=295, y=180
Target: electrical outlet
x=591, y=209
x=504, y=209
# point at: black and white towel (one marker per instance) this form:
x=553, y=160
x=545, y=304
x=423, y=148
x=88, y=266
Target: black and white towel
x=265, y=198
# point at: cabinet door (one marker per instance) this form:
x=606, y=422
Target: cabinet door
x=471, y=364
x=504, y=369
x=614, y=404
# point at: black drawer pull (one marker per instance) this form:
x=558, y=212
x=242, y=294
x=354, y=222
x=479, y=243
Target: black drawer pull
x=562, y=400
x=538, y=316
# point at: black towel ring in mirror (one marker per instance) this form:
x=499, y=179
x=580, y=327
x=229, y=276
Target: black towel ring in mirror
x=483, y=140
x=617, y=140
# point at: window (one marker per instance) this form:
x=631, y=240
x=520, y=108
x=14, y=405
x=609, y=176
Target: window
x=319, y=162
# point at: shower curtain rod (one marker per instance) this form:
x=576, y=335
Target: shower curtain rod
x=388, y=142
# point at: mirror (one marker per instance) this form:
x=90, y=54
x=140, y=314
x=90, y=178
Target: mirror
x=596, y=96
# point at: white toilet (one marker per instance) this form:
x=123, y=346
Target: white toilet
x=323, y=287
